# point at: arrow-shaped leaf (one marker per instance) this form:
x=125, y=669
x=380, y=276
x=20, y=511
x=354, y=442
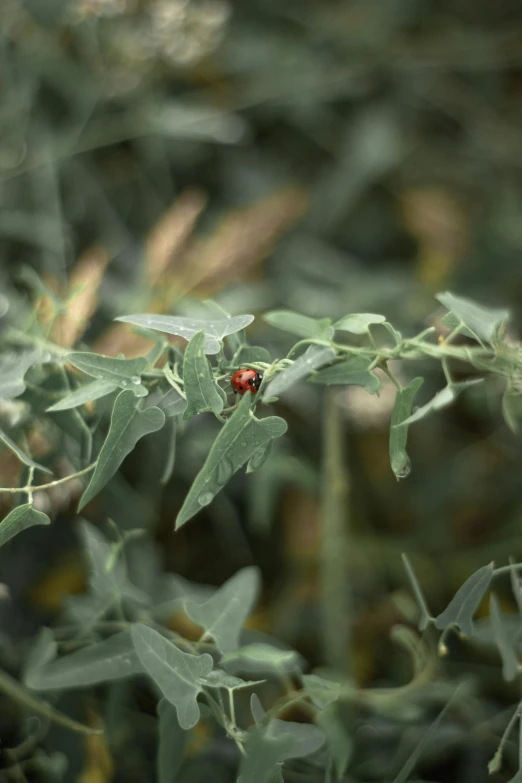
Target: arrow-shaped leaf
x=464, y=604
x=124, y=373
x=188, y=327
x=177, y=674
x=358, y=323
x=314, y=357
x=20, y=518
x=267, y=747
x=400, y=462
x=22, y=456
x=484, y=322
x=353, y=371
x=224, y=613
x=203, y=393
x=88, y=393
x=13, y=367
x=111, y=659
x=242, y=435
x=128, y=425
x=440, y=400
x=300, y=325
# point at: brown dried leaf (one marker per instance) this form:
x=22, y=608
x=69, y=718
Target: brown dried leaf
x=81, y=297
x=169, y=236
x=242, y=240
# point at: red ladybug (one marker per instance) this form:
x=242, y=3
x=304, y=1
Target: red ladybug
x=246, y=380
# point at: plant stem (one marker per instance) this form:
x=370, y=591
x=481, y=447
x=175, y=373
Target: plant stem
x=30, y=489
x=15, y=691
x=335, y=588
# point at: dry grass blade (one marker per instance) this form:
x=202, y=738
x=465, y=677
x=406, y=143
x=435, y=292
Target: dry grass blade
x=81, y=297
x=243, y=239
x=169, y=236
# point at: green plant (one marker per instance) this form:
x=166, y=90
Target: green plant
x=119, y=627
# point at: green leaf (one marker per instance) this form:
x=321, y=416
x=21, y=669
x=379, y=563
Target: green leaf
x=88, y=393
x=237, y=339
x=43, y=650
x=112, y=659
x=314, y=357
x=224, y=613
x=203, y=393
x=503, y=642
x=322, y=691
x=512, y=407
x=483, y=322
x=123, y=373
x=13, y=367
x=172, y=404
x=242, y=435
x=464, y=604
x=451, y=321
x=172, y=743
x=396, y=335
x=22, y=456
x=404, y=774
x=20, y=518
x=358, y=323
x=353, y=371
x=259, y=457
x=339, y=741
x=106, y=576
x=400, y=462
x=220, y=679
x=128, y=425
x=425, y=615
x=443, y=398
x=188, y=327
x=177, y=674
x=268, y=747
x=253, y=354
x=258, y=657
x=301, y=325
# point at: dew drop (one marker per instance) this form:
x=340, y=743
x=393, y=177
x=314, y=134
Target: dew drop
x=224, y=471
x=405, y=471
x=124, y=383
x=136, y=379
x=205, y=498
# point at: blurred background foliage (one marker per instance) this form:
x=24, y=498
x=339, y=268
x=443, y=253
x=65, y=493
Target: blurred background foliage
x=327, y=157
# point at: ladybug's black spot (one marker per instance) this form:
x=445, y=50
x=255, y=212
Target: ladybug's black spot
x=240, y=374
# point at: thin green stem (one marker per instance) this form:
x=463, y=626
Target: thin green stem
x=17, y=693
x=232, y=708
x=335, y=588
x=28, y=489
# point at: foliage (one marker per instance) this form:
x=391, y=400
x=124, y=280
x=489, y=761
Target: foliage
x=312, y=165
x=188, y=674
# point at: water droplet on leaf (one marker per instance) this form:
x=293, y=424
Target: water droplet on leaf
x=205, y=498
x=224, y=471
x=136, y=379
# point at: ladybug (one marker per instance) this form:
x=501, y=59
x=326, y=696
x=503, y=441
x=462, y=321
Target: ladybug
x=246, y=380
